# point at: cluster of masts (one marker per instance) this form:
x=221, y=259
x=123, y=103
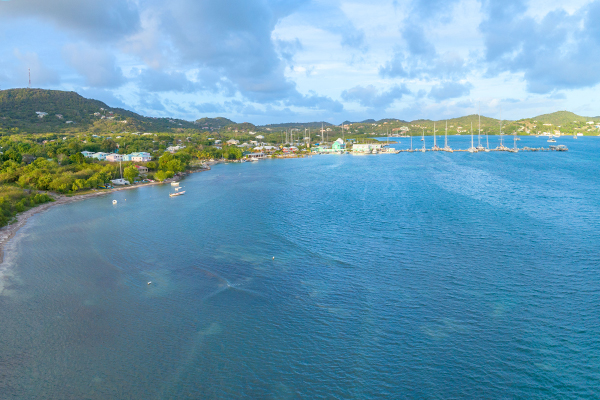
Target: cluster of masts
x=471, y=149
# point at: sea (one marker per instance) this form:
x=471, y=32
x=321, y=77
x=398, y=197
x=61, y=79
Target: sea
x=399, y=276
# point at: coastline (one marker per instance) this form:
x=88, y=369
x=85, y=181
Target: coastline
x=9, y=231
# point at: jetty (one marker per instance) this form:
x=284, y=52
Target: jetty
x=506, y=149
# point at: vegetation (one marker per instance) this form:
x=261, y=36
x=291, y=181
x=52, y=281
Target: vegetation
x=14, y=200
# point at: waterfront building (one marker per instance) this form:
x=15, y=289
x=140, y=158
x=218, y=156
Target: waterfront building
x=88, y=154
x=256, y=156
x=366, y=147
x=338, y=145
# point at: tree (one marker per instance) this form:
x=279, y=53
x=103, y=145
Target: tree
x=161, y=175
x=151, y=165
x=174, y=165
x=130, y=173
x=77, y=158
x=108, y=146
x=163, y=160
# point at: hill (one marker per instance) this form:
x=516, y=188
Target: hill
x=40, y=111
x=297, y=125
x=560, y=118
x=213, y=123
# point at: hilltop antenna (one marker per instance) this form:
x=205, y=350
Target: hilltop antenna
x=29, y=69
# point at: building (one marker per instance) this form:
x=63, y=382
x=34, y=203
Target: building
x=256, y=156
x=233, y=141
x=268, y=149
x=114, y=157
x=366, y=147
x=140, y=156
x=141, y=169
x=88, y=154
x=99, y=156
x=173, y=149
x=338, y=145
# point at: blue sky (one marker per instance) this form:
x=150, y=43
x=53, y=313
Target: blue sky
x=269, y=61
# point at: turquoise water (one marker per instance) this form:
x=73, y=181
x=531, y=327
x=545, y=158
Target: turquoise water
x=414, y=275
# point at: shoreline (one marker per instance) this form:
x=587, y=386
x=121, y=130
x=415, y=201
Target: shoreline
x=9, y=231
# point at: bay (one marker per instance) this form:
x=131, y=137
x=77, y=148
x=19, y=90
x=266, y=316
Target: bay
x=430, y=275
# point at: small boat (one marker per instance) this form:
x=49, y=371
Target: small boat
x=177, y=194
x=551, y=141
x=174, y=183
x=114, y=202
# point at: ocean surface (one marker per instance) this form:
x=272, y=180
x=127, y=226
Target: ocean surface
x=426, y=276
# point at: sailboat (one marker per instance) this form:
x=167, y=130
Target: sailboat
x=423, y=140
x=446, y=147
x=501, y=147
x=435, y=146
x=120, y=181
x=472, y=149
x=479, y=146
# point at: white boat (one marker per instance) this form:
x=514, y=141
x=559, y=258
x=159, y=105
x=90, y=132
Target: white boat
x=177, y=194
x=114, y=202
x=174, y=183
x=551, y=141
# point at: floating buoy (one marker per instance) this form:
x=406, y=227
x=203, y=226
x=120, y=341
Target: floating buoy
x=273, y=258
x=149, y=283
x=114, y=202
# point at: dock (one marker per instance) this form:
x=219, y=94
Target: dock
x=508, y=150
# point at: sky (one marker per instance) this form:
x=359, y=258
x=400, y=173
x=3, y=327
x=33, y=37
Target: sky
x=273, y=61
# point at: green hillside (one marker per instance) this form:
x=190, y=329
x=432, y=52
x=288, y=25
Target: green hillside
x=561, y=118
x=213, y=123
x=68, y=112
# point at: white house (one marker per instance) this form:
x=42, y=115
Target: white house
x=173, y=149
x=113, y=157
x=233, y=141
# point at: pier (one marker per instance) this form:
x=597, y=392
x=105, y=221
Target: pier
x=506, y=149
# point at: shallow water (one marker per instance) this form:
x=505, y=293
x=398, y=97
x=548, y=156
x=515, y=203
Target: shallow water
x=414, y=275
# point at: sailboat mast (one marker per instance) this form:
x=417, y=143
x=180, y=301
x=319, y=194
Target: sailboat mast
x=471, y=134
x=446, y=136
x=501, y=144
x=434, y=139
x=479, y=132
